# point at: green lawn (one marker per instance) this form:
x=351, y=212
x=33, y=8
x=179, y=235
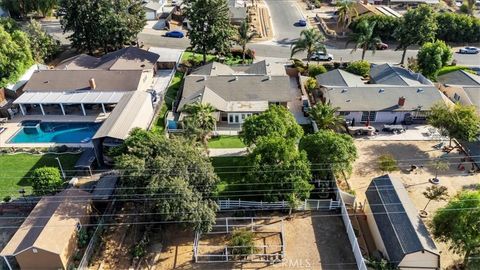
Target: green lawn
x=198, y=57
x=172, y=89
x=159, y=125
x=15, y=170
x=449, y=69
x=226, y=142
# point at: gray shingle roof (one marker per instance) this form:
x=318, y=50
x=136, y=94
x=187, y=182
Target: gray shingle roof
x=338, y=77
x=391, y=75
x=401, y=229
x=459, y=77
x=372, y=97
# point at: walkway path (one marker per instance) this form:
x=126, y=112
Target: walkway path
x=227, y=152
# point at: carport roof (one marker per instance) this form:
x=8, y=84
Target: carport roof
x=401, y=229
x=85, y=97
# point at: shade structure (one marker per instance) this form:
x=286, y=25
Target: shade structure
x=77, y=97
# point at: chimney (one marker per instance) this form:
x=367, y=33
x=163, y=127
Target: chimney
x=92, y=83
x=401, y=101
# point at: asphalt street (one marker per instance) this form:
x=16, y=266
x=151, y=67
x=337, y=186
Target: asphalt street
x=284, y=14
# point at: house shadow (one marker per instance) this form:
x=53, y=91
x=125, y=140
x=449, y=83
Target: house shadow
x=332, y=241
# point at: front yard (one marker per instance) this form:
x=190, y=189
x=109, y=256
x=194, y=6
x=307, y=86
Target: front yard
x=15, y=170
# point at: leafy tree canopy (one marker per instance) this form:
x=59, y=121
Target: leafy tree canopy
x=279, y=170
x=20, y=8
x=432, y=56
x=276, y=121
x=325, y=117
x=46, y=180
x=457, y=224
x=361, y=68
x=15, y=55
x=178, y=177
x=329, y=150
x=43, y=46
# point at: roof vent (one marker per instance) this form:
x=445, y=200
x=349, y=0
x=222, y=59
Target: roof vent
x=381, y=90
x=401, y=101
x=204, y=77
x=419, y=90
x=236, y=78
x=344, y=90
x=348, y=100
x=92, y=83
x=269, y=77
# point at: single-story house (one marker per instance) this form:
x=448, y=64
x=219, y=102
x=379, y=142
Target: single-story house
x=47, y=239
x=461, y=86
x=369, y=9
x=153, y=9
x=236, y=92
x=413, y=2
x=237, y=11
x=397, y=229
x=392, y=95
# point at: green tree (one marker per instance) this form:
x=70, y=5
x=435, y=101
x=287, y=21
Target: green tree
x=326, y=117
x=454, y=27
x=417, y=26
x=387, y=163
x=310, y=41
x=174, y=175
x=46, y=6
x=329, y=150
x=314, y=70
x=244, y=36
x=435, y=193
x=384, y=28
x=346, y=12
x=432, y=57
x=242, y=244
x=200, y=120
x=457, y=225
x=15, y=56
x=360, y=67
x=459, y=121
x=364, y=38
x=276, y=121
x=279, y=170
x=46, y=180
x=102, y=24
x=310, y=84
x=42, y=45
x=210, y=26
x=439, y=165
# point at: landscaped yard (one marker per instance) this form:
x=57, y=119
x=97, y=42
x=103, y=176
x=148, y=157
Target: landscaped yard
x=198, y=58
x=226, y=142
x=173, y=88
x=15, y=170
x=231, y=171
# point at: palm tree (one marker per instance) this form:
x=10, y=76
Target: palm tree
x=346, y=12
x=200, y=120
x=325, y=116
x=311, y=41
x=244, y=36
x=364, y=38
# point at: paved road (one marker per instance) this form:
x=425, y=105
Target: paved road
x=284, y=14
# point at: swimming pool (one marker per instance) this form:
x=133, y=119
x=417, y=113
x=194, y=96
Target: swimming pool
x=55, y=132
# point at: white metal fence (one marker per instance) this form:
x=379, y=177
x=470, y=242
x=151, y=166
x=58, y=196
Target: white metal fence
x=357, y=252
x=327, y=204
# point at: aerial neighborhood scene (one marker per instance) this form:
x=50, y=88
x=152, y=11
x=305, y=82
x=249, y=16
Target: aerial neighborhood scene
x=240, y=134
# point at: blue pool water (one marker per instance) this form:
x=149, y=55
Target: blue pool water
x=55, y=132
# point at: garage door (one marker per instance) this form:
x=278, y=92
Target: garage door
x=150, y=15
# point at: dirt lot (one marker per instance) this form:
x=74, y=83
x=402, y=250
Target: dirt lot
x=312, y=241
x=408, y=153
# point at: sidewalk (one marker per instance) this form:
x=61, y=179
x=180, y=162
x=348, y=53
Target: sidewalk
x=227, y=152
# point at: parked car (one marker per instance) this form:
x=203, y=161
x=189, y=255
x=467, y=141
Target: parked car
x=302, y=22
x=175, y=34
x=321, y=56
x=469, y=50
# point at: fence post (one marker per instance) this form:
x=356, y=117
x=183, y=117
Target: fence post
x=226, y=254
x=318, y=204
x=330, y=207
x=251, y=219
x=226, y=222
x=305, y=205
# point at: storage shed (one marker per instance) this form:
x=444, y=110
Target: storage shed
x=399, y=233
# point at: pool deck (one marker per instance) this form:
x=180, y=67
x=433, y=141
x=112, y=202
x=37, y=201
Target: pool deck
x=13, y=125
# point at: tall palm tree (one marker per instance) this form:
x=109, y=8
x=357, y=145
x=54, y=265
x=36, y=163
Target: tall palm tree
x=325, y=116
x=346, y=12
x=244, y=36
x=200, y=120
x=311, y=41
x=364, y=38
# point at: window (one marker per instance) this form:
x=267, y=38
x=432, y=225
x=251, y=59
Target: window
x=237, y=118
x=369, y=116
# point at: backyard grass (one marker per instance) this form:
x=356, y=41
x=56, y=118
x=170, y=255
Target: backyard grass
x=448, y=69
x=226, y=142
x=15, y=170
x=172, y=89
x=231, y=171
x=159, y=125
x=198, y=58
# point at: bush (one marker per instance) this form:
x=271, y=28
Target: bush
x=361, y=68
x=449, y=69
x=242, y=244
x=82, y=238
x=311, y=84
x=453, y=27
x=384, y=28
x=46, y=180
x=7, y=199
x=387, y=163
x=299, y=65
x=314, y=70
x=237, y=53
x=328, y=66
x=464, y=8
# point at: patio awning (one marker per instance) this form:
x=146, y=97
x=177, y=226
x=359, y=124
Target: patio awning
x=85, y=97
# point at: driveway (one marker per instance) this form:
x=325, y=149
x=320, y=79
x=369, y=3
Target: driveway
x=284, y=14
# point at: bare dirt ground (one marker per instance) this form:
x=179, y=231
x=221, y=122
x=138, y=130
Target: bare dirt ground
x=312, y=241
x=10, y=222
x=417, y=153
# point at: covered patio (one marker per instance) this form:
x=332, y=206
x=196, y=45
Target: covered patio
x=83, y=103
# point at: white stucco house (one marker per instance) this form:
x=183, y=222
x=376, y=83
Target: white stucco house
x=392, y=94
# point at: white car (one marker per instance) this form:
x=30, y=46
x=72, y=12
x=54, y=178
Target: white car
x=469, y=50
x=321, y=56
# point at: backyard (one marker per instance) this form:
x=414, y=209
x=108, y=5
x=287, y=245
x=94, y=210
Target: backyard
x=170, y=97
x=231, y=171
x=198, y=58
x=15, y=170
x=226, y=142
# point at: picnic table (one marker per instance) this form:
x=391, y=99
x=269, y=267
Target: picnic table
x=394, y=128
x=358, y=130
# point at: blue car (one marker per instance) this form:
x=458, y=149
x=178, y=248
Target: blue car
x=302, y=23
x=174, y=34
